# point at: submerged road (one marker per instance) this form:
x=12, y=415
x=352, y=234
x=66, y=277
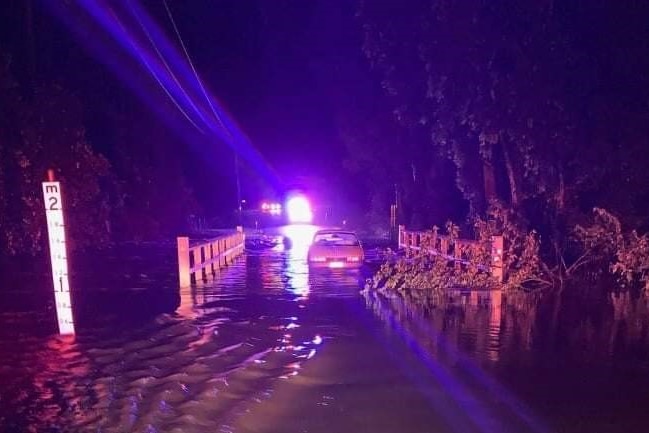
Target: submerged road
x=271, y=347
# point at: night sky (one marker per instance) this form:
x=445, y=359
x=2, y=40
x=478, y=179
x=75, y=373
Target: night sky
x=277, y=67
x=363, y=103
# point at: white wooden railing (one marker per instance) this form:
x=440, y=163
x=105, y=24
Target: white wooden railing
x=205, y=258
x=456, y=250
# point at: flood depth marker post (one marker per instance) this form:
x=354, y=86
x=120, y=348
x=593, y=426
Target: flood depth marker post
x=58, y=253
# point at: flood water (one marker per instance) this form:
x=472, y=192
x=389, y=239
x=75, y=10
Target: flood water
x=270, y=347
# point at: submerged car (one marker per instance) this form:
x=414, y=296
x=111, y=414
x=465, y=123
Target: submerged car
x=333, y=248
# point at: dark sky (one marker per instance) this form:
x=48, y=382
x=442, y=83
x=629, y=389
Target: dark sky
x=281, y=68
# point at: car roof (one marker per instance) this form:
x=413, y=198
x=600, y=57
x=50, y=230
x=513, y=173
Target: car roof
x=327, y=231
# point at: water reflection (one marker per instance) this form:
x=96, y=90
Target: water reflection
x=566, y=352
x=193, y=374
x=630, y=323
x=612, y=331
x=440, y=343
x=297, y=266
x=42, y=376
x=140, y=364
x=486, y=324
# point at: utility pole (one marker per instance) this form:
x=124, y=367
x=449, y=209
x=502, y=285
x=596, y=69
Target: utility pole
x=236, y=173
x=394, y=209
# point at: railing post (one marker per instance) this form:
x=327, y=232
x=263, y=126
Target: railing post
x=497, y=256
x=433, y=244
x=222, y=248
x=443, y=245
x=218, y=252
x=400, y=241
x=184, y=278
x=408, y=242
x=211, y=247
x=241, y=239
x=203, y=255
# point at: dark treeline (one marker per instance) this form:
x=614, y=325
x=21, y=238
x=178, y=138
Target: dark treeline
x=133, y=167
x=128, y=171
x=138, y=190
x=445, y=107
x=540, y=105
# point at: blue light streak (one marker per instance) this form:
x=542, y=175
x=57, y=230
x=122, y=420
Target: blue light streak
x=483, y=406
x=136, y=34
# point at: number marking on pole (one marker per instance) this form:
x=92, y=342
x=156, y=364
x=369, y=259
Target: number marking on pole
x=58, y=256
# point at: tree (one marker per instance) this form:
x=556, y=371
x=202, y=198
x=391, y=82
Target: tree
x=152, y=197
x=41, y=132
x=513, y=94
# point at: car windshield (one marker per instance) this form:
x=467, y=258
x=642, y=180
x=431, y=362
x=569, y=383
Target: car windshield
x=336, y=239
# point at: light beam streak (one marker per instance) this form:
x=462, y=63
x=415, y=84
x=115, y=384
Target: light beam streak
x=178, y=78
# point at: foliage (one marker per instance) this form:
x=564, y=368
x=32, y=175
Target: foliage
x=391, y=163
x=135, y=190
x=605, y=242
x=632, y=264
x=466, y=75
x=522, y=262
x=426, y=274
x=47, y=132
x=428, y=271
x=600, y=240
x=602, y=244
x=527, y=102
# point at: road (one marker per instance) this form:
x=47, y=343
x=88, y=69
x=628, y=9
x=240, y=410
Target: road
x=269, y=346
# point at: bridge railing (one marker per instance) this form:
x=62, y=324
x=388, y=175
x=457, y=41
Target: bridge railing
x=205, y=258
x=460, y=251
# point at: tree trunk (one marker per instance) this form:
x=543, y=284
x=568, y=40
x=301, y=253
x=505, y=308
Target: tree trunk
x=561, y=193
x=489, y=177
x=514, y=190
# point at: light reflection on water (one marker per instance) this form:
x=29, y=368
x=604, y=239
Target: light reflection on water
x=270, y=338
x=582, y=363
x=177, y=372
x=519, y=327
x=297, y=267
x=198, y=368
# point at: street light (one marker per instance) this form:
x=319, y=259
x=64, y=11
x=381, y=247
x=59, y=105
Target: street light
x=299, y=210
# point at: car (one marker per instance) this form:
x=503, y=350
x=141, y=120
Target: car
x=334, y=248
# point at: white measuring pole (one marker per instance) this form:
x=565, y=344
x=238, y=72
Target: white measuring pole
x=58, y=254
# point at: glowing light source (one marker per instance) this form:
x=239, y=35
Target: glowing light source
x=299, y=210
x=271, y=208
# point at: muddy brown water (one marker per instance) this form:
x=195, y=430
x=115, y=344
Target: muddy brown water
x=269, y=346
